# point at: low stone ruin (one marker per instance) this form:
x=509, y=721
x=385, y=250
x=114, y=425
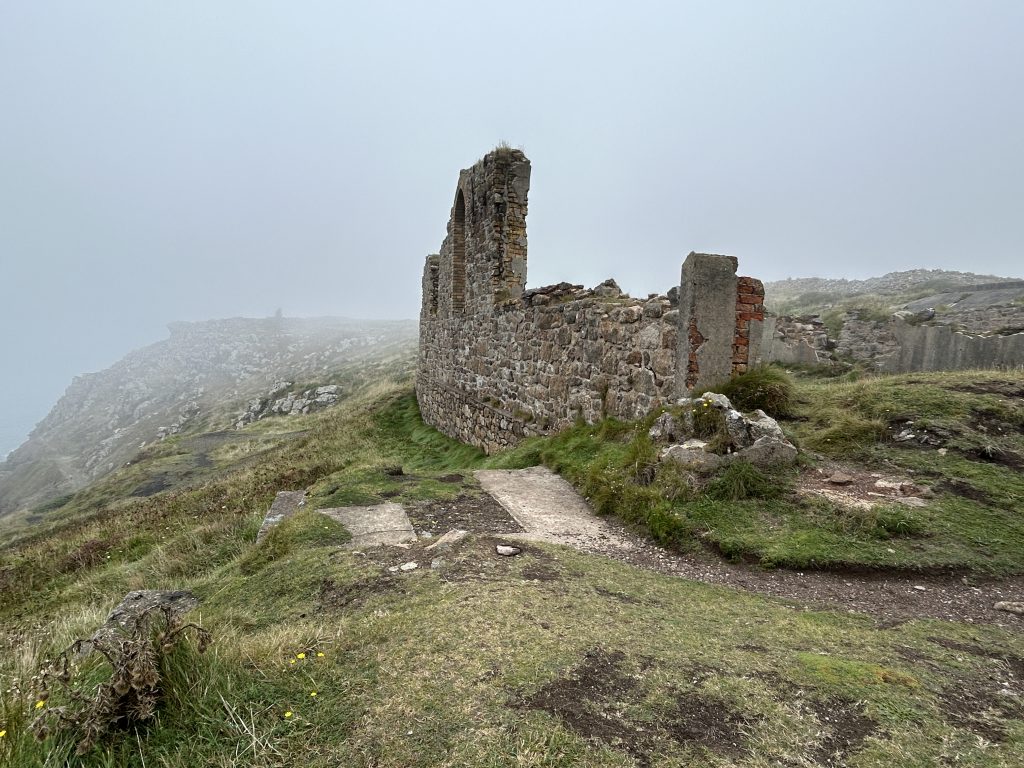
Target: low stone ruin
x=757, y=439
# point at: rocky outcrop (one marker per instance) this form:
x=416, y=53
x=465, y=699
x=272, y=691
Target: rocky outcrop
x=280, y=401
x=200, y=377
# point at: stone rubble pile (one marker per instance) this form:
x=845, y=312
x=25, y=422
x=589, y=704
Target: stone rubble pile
x=757, y=439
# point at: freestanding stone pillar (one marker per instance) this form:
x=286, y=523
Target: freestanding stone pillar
x=707, y=321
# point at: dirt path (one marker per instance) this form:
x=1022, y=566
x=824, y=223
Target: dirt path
x=549, y=509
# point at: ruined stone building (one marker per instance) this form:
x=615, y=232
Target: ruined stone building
x=498, y=361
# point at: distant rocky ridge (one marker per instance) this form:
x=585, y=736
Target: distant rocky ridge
x=893, y=283
x=200, y=377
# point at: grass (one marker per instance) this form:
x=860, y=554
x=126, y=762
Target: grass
x=479, y=662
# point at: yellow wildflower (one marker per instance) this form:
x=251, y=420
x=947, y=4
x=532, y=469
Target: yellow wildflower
x=313, y=694
x=40, y=704
x=319, y=654
x=288, y=714
x=300, y=656
x=3, y=733
x=291, y=661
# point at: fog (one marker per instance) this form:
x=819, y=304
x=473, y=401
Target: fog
x=190, y=160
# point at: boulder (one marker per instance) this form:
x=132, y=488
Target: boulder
x=768, y=452
x=763, y=425
x=664, y=429
x=694, y=457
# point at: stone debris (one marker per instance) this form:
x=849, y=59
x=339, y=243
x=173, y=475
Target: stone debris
x=410, y=566
x=285, y=505
x=506, y=550
x=757, y=438
x=854, y=488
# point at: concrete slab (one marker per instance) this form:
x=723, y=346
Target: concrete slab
x=370, y=526
x=549, y=509
x=284, y=506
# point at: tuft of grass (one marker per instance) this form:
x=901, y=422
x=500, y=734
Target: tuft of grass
x=767, y=387
x=742, y=480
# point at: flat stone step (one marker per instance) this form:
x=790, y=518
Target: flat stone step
x=548, y=508
x=284, y=506
x=370, y=526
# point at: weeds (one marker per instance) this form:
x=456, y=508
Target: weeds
x=137, y=652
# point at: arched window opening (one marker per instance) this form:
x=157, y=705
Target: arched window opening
x=459, y=254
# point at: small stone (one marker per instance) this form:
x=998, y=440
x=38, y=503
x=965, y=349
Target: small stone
x=919, y=588
x=436, y=563
x=410, y=566
x=840, y=478
x=1010, y=607
x=393, y=569
x=506, y=550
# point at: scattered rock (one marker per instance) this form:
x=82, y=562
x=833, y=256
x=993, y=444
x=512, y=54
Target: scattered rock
x=280, y=402
x=768, y=452
x=410, y=566
x=757, y=438
x=449, y=540
x=507, y=550
x=840, y=478
x=436, y=563
x=695, y=457
x=920, y=588
x=1010, y=607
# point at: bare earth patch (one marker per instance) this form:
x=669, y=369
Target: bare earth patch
x=478, y=513
x=857, y=488
x=593, y=700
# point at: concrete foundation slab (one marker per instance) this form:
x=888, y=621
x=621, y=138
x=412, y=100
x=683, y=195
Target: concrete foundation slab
x=549, y=509
x=371, y=526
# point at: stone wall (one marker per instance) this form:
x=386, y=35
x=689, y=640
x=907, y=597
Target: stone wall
x=498, y=362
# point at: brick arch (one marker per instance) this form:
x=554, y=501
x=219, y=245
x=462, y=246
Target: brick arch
x=459, y=252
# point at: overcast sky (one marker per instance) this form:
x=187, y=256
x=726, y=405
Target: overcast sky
x=188, y=160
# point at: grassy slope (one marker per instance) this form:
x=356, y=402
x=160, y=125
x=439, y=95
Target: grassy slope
x=456, y=666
